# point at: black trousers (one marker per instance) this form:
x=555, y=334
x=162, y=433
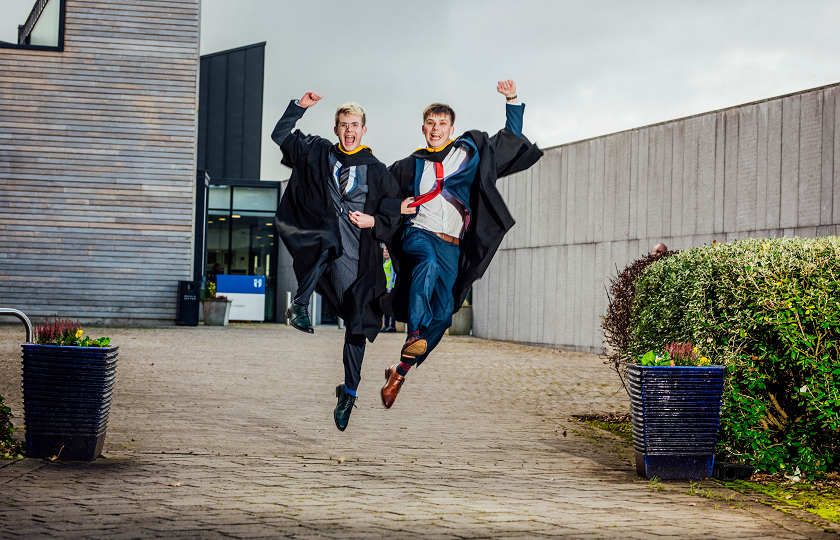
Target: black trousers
x=354, y=353
x=354, y=344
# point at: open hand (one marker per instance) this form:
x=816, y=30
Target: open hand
x=508, y=88
x=309, y=99
x=362, y=221
x=405, y=209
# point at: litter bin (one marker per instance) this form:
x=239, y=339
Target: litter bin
x=189, y=302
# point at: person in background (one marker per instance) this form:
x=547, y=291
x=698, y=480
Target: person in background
x=659, y=249
x=391, y=278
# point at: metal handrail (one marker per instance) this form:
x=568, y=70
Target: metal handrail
x=23, y=318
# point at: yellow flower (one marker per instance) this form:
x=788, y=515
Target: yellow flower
x=704, y=362
x=79, y=333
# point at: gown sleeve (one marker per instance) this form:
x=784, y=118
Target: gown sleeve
x=294, y=145
x=387, y=218
x=512, y=151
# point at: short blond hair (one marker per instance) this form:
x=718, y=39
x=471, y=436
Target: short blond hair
x=350, y=108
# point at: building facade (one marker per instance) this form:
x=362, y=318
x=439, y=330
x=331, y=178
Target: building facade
x=98, y=163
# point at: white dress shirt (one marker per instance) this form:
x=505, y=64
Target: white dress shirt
x=443, y=214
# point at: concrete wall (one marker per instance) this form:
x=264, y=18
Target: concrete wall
x=97, y=164
x=764, y=169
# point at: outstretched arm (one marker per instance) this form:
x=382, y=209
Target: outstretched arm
x=513, y=152
x=514, y=109
x=293, y=113
x=294, y=145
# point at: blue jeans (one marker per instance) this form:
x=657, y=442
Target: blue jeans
x=430, y=302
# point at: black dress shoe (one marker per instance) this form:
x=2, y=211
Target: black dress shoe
x=343, y=408
x=299, y=317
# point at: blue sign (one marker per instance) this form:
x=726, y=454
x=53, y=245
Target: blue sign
x=240, y=284
x=247, y=294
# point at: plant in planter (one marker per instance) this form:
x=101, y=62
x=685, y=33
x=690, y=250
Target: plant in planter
x=768, y=310
x=68, y=380
x=675, y=400
x=9, y=447
x=216, y=308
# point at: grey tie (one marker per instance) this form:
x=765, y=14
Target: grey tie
x=343, y=178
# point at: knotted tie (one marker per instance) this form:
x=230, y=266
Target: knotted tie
x=426, y=197
x=343, y=178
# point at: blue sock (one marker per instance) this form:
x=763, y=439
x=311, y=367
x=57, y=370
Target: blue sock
x=351, y=392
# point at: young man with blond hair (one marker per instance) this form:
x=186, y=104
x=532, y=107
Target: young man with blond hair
x=457, y=221
x=339, y=204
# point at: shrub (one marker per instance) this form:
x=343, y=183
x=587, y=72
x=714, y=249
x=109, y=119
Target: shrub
x=769, y=310
x=9, y=447
x=616, y=323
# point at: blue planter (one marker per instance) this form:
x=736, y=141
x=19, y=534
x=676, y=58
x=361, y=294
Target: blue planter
x=66, y=399
x=675, y=417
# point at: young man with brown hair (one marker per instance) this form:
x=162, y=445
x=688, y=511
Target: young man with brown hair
x=339, y=204
x=458, y=219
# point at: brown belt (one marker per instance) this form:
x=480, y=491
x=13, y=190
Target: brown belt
x=447, y=238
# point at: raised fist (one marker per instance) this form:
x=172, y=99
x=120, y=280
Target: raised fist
x=309, y=99
x=508, y=88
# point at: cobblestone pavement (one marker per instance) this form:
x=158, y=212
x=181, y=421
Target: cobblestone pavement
x=228, y=433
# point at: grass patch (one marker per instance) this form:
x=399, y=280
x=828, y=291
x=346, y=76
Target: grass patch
x=617, y=424
x=820, y=497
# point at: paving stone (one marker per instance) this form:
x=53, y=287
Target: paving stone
x=241, y=417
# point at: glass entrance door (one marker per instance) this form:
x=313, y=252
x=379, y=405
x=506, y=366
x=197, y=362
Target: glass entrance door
x=241, y=237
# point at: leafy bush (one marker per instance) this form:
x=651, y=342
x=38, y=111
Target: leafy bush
x=66, y=332
x=616, y=323
x=769, y=310
x=9, y=447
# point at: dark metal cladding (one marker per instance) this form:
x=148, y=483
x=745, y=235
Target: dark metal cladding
x=230, y=112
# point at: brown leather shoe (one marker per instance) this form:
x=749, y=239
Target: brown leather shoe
x=414, y=347
x=393, y=383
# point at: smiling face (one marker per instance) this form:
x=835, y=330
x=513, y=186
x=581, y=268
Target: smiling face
x=350, y=130
x=438, y=129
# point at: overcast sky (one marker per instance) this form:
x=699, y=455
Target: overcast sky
x=584, y=68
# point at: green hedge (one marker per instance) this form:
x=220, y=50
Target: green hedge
x=769, y=310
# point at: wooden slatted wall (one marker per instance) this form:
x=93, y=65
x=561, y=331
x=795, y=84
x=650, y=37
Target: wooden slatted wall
x=765, y=169
x=97, y=164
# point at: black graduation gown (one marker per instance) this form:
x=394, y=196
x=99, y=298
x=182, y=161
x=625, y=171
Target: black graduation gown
x=307, y=223
x=500, y=155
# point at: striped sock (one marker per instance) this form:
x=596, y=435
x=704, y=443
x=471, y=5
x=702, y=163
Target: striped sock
x=403, y=368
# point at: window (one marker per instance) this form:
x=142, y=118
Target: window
x=43, y=29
